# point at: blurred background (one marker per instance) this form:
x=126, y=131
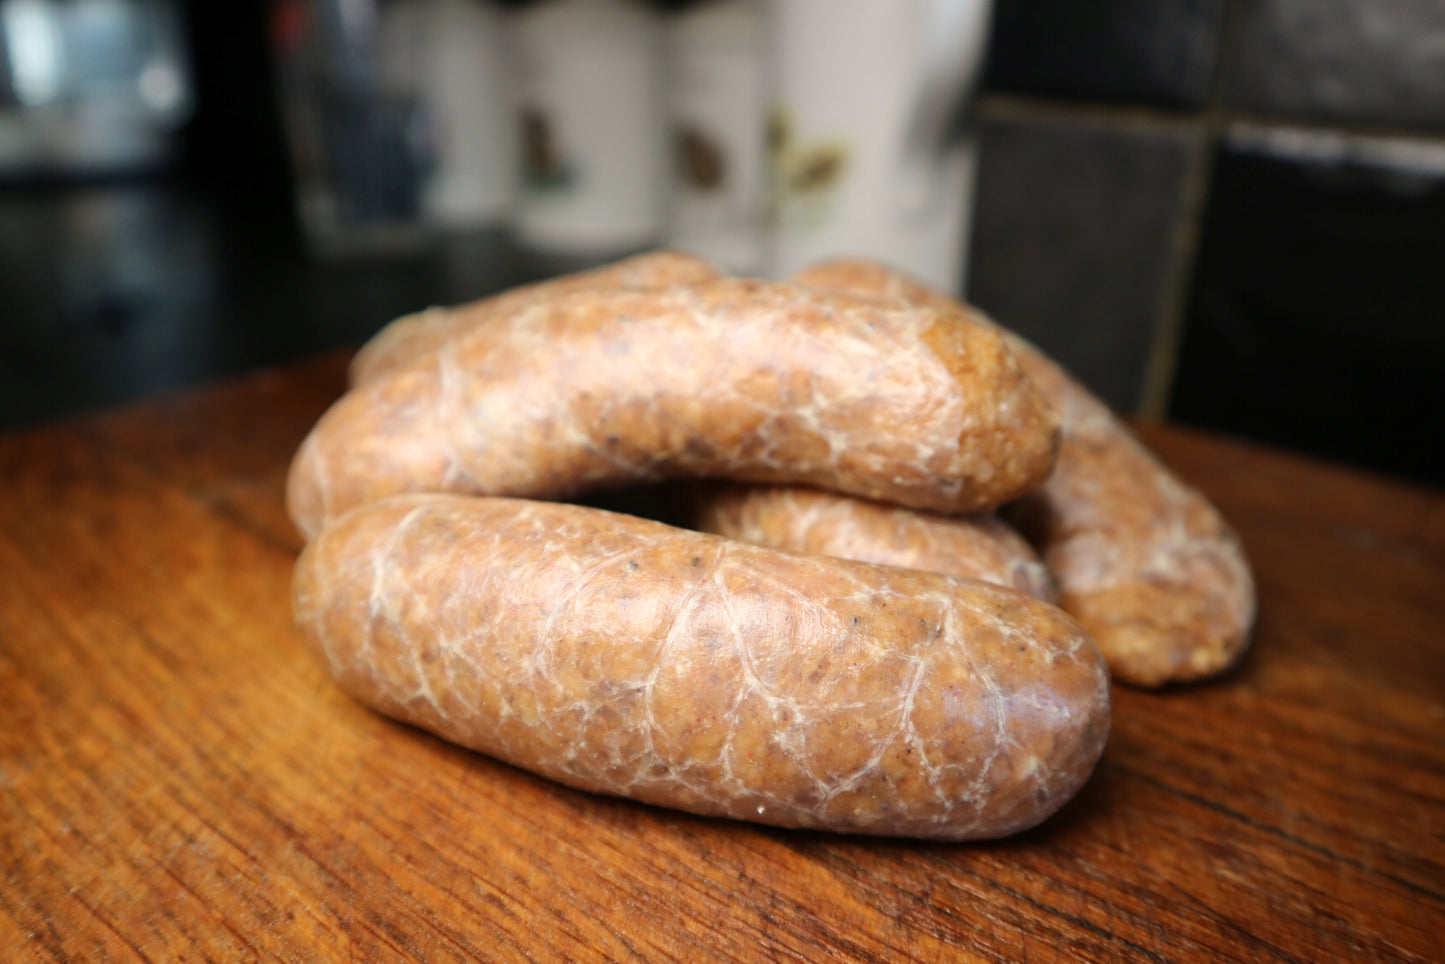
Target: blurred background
x=1226, y=213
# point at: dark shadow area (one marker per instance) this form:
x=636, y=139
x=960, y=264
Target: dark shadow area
x=1315, y=321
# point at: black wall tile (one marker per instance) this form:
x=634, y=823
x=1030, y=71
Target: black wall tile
x=1317, y=319
x=7, y=92
x=1372, y=61
x=1147, y=51
x=1071, y=242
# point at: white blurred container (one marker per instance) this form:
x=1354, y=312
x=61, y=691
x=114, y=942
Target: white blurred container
x=466, y=85
x=717, y=87
x=865, y=94
x=593, y=129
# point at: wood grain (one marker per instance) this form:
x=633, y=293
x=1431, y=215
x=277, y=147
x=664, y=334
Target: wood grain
x=179, y=781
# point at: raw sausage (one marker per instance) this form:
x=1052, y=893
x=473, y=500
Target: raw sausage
x=1143, y=561
x=623, y=656
x=739, y=379
x=412, y=336
x=980, y=546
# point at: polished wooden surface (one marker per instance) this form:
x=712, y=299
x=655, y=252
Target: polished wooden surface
x=179, y=781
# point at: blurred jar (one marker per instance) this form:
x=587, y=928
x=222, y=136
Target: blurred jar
x=467, y=77
x=717, y=95
x=864, y=155
x=90, y=86
x=398, y=114
x=593, y=129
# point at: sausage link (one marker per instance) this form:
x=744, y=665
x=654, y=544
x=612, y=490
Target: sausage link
x=980, y=546
x=739, y=379
x=1143, y=561
x=622, y=656
x=414, y=335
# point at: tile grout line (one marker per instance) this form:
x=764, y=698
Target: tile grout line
x=1173, y=305
x=997, y=105
x=1145, y=117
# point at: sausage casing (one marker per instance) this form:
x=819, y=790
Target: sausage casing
x=1142, y=560
x=979, y=546
x=750, y=380
x=622, y=656
x=413, y=336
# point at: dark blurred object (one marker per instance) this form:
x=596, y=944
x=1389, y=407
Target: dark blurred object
x=1145, y=51
x=1318, y=315
x=1071, y=241
x=91, y=87
x=7, y=85
x=234, y=144
x=400, y=119
x=1371, y=61
x=116, y=291
x=358, y=144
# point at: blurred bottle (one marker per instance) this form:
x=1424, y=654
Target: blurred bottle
x=397, y=114
x=467, y=86
x=358, y=142
x=90, y=87
x=863, y=155
x=592, y=126
x=717, y=88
